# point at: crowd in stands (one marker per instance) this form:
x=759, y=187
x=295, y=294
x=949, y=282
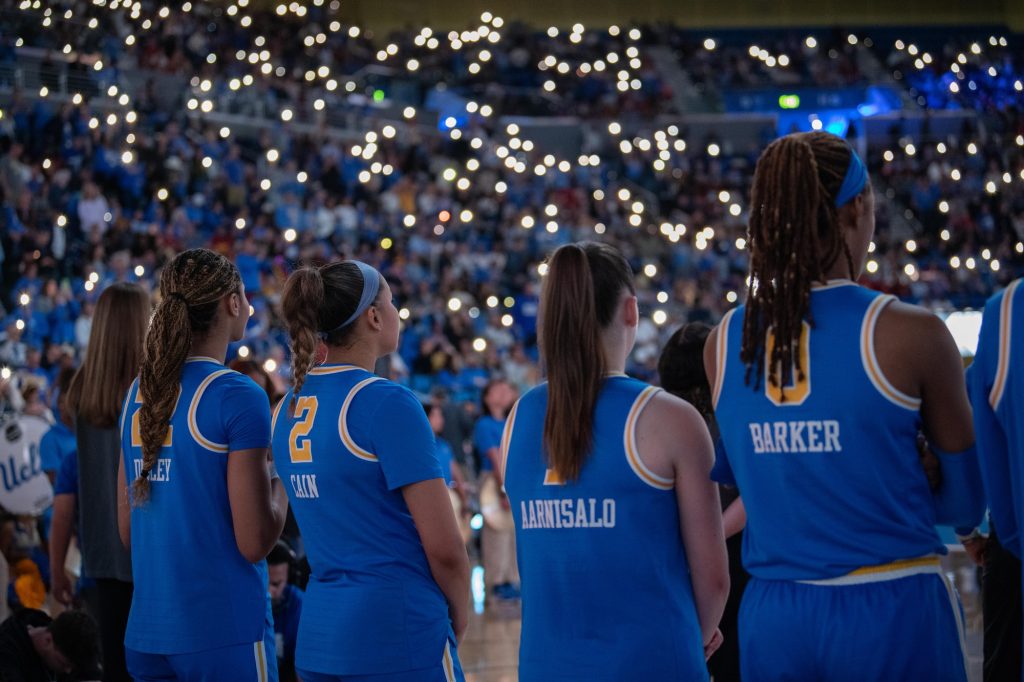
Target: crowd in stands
x=461, y=219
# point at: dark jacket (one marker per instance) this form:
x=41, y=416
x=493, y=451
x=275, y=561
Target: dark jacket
x=19, y=661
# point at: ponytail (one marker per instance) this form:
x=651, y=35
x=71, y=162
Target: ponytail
x=302, y=300
x=579, y=299
x=321, y=305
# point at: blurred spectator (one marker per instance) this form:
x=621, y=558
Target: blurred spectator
x=36, y=648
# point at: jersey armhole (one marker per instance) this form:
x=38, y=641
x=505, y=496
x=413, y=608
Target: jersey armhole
x=995, y=396
x=629, y=442
x=721, y=356
x=506, y=442
x=869, y=359
x=343, y=430
x=193, y=408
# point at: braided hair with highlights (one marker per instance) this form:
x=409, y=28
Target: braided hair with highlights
x=191, y=286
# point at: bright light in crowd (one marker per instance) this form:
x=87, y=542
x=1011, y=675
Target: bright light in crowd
x=139, y=271
x=659, y=317
x=479, y=345
x=270, y=365
x=24, y=299
x=243, y=352
x=290, y=235
x=454, y=304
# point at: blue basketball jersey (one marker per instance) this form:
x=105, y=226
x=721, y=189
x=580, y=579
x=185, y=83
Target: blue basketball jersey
x=353, y=441
x=829, y=471
x=194, y=590
x=605, y=583
x=997, y=396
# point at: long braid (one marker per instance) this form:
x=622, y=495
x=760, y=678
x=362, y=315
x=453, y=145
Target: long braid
x=191, y=287
x=794, y=239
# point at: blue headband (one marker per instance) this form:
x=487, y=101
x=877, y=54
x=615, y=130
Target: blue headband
x=853, y=183
x=371, y=286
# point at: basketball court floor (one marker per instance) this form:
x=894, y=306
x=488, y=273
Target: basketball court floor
x=491, y=646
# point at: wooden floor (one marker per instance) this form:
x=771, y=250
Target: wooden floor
x=490, y=649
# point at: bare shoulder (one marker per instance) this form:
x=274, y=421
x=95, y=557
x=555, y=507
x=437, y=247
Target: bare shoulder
x=915, y=330
x=670, y=430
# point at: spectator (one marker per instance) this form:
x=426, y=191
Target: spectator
x=34, y=647
x=95, y=397
x=286, y=602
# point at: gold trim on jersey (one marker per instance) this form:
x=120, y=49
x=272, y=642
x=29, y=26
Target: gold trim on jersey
x=320, y=371
x=629, y=441
x=870, y=361
x=193, y=424
x=506, y=440
x=721, y=355
x=448, y=663
x=883, y=572
x=346, y=437
x=995, y=396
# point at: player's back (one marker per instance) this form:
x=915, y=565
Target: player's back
x=829, y=473
x=193, y=588
x=372, y=604
x=605, y=584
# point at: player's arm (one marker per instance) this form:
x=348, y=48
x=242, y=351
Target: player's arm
x=666, y=422
x=432, y=513
x=734, y=518
x=918, y=355
x=259, y=504
x=993, y=451
x=409, y=462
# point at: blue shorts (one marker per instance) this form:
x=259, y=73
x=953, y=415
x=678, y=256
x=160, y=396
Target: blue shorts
x=448, y=670
x=908, y=628
x=252, y=662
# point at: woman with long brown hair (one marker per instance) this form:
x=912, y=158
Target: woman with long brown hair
x=388, y=597
x=618, y=526
x=820, y=389
x=197, y=502
x=95, y=398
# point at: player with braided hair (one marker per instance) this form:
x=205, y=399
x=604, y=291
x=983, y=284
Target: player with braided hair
x=820, y=389
x=196, y=481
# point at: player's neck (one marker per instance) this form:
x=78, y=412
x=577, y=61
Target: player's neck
x=359, y=355
x=210, y=347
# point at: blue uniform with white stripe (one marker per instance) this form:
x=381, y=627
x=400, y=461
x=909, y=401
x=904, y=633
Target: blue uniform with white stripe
x=996, y=386
x=200, y=610
x=373, y=609
x=605, y=583
x=840, y=538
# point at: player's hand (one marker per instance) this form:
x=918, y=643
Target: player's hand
x=929, y=462
x=60, y=586
x=976, y=549
x=712, y=646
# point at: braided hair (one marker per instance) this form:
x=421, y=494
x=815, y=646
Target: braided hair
x=191, y=287
x=794, y=239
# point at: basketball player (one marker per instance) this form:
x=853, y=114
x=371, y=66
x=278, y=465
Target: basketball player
x=618, y=525
x=195, y=436
x=820, y=388
x=389, y=591
x=997, y=396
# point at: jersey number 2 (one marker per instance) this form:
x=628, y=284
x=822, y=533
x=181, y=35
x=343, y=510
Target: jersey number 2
x=796, y=390
x=299, y=446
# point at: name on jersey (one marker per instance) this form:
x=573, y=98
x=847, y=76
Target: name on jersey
x=161, y=472
x=568, y=513
x=304, y=486
x=796, y=436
